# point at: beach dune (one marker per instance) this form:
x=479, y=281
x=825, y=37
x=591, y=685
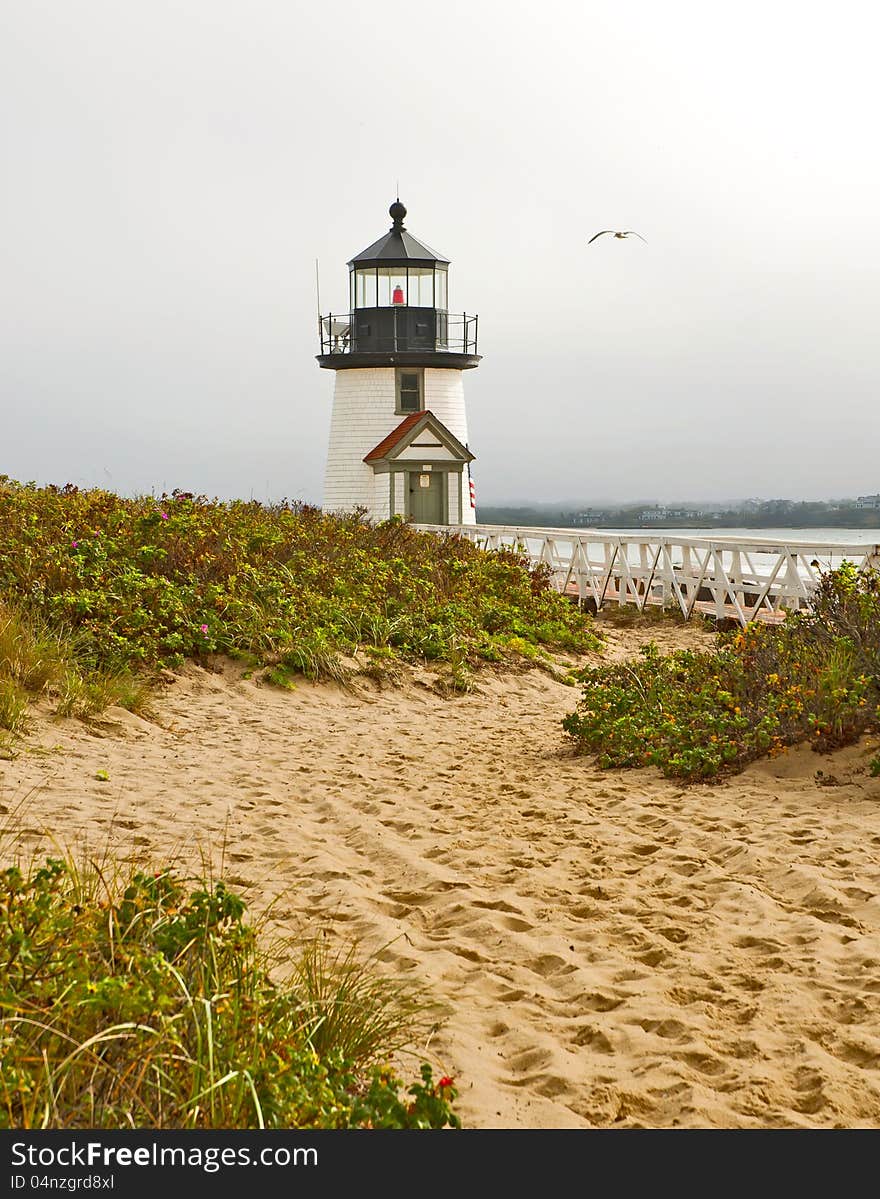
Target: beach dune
x=612, y=948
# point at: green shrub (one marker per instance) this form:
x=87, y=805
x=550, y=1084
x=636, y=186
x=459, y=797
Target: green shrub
x=698, y=715
x=139, y=1002
x=136, y=583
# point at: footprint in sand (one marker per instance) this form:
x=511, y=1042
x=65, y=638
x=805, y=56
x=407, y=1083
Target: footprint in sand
x=652, y=957
x=704, y=1063
x=589, y=1036
x=676, y=935
x=515, y=925
x=529, y=1059
x=598, y=1002
x=669, y=1030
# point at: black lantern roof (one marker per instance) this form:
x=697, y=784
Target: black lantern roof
x=397, y=247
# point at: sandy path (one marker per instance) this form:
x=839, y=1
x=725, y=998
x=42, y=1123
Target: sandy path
x=613, y=948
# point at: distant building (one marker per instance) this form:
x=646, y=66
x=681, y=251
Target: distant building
x=868, y=501
x=661, y=513
x=684, y=513
x=590, y=516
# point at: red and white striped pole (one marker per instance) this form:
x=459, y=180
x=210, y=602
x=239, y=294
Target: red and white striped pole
x=473, y=495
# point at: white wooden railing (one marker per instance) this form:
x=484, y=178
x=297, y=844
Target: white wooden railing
x=733, y=577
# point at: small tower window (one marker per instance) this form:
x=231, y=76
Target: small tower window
x=409, y=391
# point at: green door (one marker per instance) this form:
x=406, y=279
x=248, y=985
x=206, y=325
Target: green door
x=426, y=497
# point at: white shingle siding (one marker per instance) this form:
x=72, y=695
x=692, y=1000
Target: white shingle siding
x=363, y=415
x=444, y=396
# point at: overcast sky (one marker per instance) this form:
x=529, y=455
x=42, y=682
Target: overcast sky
x=171, y=171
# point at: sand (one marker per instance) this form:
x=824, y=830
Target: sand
x=614, y=949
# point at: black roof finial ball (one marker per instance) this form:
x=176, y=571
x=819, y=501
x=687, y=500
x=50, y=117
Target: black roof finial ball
x=397, y=212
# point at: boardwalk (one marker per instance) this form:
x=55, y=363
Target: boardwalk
x=733, y=577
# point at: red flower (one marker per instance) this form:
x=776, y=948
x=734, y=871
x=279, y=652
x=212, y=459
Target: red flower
x=446, y=1081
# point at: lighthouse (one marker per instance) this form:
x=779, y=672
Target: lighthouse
x=398, y=433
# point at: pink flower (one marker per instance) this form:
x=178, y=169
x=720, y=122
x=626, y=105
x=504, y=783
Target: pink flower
x=74, y=544
x=204, y=628
x=164, y=515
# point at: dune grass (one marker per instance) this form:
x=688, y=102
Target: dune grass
x=37, y=660
x=142, y=999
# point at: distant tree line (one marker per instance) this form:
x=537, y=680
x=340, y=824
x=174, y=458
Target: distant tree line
x=751, y=514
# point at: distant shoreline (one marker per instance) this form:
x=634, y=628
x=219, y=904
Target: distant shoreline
x=678, y=526
x=855, y=520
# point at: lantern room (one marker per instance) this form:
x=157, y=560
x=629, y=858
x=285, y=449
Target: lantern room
x=398, y=305
x=398, y=270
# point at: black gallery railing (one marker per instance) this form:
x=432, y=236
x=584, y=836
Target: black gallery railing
x=399, y=329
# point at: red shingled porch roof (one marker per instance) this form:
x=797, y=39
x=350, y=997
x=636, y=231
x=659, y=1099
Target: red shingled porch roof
x=395, y=435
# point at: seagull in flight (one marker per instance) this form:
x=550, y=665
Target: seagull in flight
x=624, y=233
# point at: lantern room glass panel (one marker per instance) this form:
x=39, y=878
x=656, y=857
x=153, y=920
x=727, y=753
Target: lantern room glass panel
x=365, y=288
x=392, y=286
x=421, y=287
x=440, y=288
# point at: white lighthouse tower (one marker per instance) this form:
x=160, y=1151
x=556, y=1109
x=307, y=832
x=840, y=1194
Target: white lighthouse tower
x=398, y=434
